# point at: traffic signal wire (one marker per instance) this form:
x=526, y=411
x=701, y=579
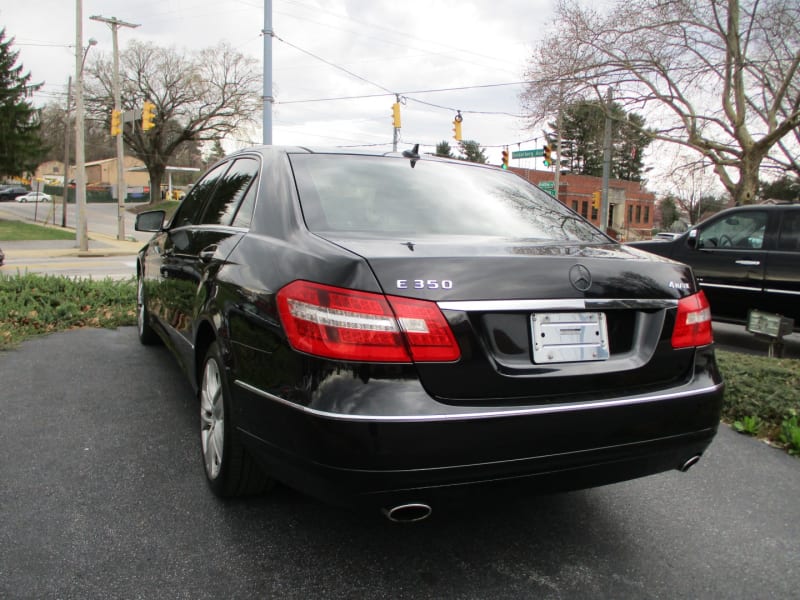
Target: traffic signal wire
x=404, y=94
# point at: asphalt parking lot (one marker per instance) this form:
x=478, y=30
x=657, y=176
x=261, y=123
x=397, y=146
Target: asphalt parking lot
x=103, y=496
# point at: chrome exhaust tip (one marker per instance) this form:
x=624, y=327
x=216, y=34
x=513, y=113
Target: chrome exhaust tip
x=408, y=513
x=689, y=463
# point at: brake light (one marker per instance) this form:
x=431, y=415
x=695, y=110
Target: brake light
x=693, y=322
x=362, y=326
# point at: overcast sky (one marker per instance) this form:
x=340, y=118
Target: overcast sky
x=402, y=46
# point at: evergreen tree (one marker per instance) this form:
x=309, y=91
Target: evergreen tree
x=669, y=213
x=583, y=133
x=786, y=188
x=443, y=149
x=471, y=151
x=216, y=153
x=20, y=146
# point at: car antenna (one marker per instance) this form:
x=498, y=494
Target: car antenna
x=413, y=154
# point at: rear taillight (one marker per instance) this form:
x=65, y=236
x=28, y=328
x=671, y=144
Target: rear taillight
x=362, y=326
x=693, y=322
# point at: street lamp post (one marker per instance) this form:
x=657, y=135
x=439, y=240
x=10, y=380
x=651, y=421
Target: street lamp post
x=67, y=128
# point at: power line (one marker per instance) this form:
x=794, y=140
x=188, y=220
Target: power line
x=334, y=65
x=473, y=112
x=388, y=93
x=407, y=95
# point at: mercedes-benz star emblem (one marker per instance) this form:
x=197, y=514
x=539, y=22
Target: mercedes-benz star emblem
x=580, y=278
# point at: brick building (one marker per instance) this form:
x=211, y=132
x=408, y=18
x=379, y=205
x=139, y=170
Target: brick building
x=631, y=211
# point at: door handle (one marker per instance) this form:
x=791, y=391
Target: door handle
x=207, y=253
x=748, y=263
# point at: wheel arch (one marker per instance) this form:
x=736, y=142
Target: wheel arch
x=203, y=340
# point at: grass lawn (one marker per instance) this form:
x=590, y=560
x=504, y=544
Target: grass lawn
x=15, y=231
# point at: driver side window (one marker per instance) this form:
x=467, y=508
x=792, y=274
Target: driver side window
x=738, y=231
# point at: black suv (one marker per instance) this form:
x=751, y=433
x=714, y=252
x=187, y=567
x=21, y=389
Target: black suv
x=744, y=257
x=12, y=192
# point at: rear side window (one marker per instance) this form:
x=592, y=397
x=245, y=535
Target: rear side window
x=191, y=208
x=390, y=196
x=231, y=188
x=789, y=240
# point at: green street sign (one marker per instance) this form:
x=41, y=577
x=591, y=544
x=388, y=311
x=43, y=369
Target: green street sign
x=547, y=185
x=527, y=153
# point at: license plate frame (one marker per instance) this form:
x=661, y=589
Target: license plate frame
x=564, y=337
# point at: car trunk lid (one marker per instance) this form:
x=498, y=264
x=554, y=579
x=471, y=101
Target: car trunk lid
x=540, y=321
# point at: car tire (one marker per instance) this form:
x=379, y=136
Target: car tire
x=230, y=470
x=147, y=335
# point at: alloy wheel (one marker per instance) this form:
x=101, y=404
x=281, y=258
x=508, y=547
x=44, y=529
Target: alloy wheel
x=212, y=419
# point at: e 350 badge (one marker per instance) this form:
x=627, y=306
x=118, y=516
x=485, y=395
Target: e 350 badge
x=424, y=284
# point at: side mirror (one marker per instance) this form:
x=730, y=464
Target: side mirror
x=152, y=220
x=691, y=240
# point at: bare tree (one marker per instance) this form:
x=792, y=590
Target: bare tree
x=97, y=142
x=200, y=96
x=692, y=187
x=717, y=76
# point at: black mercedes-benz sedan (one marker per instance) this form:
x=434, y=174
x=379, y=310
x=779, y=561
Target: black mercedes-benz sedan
x=377, y=328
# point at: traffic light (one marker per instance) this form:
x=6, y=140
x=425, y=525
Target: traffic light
x=457, y=128
x=148, y=115
x=396, y=115
x=116, y=122
x=547, y=155
x=596, y=196
x=505, y=158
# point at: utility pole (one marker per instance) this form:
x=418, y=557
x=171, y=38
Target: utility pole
x=81, y=232
x=66, y=154
x=122, y=189
x=559, y=122
x=268, y=99
x=606, y=164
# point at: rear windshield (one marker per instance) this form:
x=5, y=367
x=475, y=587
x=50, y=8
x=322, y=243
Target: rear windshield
x=387, y=197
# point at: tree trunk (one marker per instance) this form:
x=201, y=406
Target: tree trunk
x=746, y=188
x=156, y=173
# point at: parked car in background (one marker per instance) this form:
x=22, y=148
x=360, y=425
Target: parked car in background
x=744, y=258
x=12, y=192
x=35, y=197
x=374, y=329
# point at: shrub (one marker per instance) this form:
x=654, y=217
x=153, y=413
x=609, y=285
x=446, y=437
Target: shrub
x=34, y=304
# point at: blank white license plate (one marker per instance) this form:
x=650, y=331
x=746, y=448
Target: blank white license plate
x=569, y=337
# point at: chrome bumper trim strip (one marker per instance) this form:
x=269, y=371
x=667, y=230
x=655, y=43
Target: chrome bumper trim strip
x=489, y=414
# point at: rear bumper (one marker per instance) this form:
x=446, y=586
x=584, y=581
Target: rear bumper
x=384, y=459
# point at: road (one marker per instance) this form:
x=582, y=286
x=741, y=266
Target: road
x=107, y=257
x=103, y=496
x=101, y=218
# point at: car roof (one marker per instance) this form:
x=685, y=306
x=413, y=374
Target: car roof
x=265, y=150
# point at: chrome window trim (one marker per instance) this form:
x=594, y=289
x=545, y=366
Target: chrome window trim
x=488, y=414
x=788, y=292
x=723, y=286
